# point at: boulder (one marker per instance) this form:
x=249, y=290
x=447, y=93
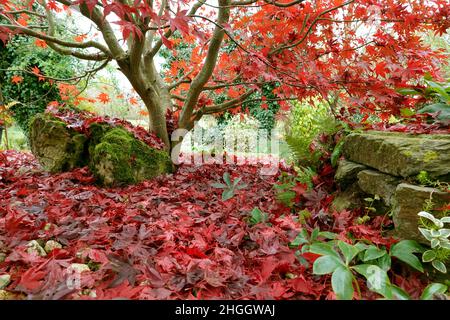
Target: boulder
x=377, y=183
x=407, y=202
x=401, y=154
x=113, y=154
x=56, y=147
x=347, y=171
x=117, y=158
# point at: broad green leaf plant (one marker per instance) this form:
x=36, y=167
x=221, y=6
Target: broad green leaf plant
x=438, y=92
x=230, y=187
x=345, y=262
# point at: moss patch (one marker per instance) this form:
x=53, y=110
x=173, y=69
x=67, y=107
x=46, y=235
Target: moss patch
x=120, y=159
x=430, y=156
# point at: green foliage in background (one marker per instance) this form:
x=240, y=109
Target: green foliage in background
x=305, y=123
x=266, y=116
x=33, y=95
x=437, y=96
x=439, y=42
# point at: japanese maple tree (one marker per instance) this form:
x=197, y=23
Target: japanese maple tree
x=359, y=51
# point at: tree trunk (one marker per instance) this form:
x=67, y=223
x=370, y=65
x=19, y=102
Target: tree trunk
x=157, y=121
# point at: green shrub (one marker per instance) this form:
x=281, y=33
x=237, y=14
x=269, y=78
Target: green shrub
x=305, y=123
x=32, y=94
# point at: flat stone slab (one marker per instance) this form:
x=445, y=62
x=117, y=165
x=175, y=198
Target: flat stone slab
x=347, y=171
x=377, y=183
x=400, y=154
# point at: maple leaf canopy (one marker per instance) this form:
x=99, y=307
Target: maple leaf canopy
x=356, y=51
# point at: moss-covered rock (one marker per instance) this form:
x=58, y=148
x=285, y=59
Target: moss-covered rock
x=113, y=154
x=56, y=147
x=401, y=154
x=117, y=158
x=408, y=201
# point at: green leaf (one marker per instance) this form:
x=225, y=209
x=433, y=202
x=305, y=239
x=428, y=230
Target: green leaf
x=326, y=265
x=439, y=265
x=315, y=234
x=428, y=256
x=336, y=153
x=257, y=216
x=407, y=91
x=328, y=235
x=431, y=289
x=426, y=233
x=227, y=194
x=443, y=108
x=236, y=181
x=301, y=238
x=384, y=262
x=348, y=251
x=242, y=186
x=399, y=294
x=218, y=185
x=373, y=253
x=341, y=281
x=362, y=246
x=323, y=249
x=226, y=178
x=438, y=89
x=377, y=279
x=444, y=233
x=407, y=112
x=404, y=251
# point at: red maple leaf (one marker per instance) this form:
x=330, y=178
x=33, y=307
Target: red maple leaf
x=103, y=97
x=16, y=79
x=180, y=22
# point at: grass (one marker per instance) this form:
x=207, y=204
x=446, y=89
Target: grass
x=16, y=139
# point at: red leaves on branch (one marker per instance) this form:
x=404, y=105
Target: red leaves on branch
x=129, y=28
x=180, y=22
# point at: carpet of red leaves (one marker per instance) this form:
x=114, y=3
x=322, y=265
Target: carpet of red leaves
x=169, y=238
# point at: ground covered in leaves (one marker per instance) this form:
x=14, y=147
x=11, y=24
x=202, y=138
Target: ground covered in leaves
x=169, y=238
